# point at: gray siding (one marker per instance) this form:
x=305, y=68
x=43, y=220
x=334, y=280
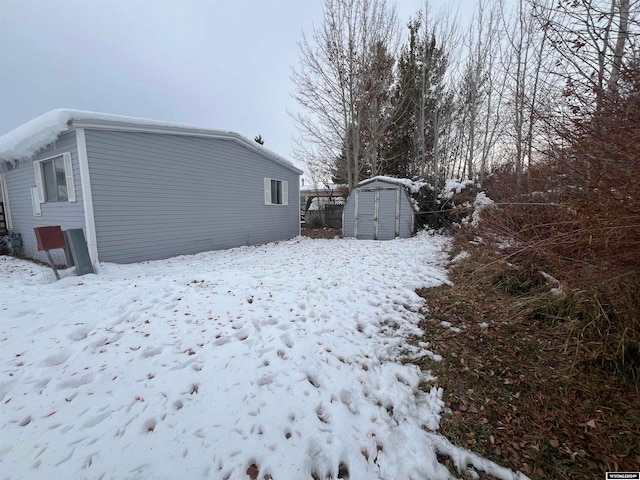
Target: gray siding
x=387, y=194
x=387, y=212
x=65, y=214
x=348, y=217
x=158, y=195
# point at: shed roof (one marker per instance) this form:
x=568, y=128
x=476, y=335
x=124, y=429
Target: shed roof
x=31, y=137
x=412, y=186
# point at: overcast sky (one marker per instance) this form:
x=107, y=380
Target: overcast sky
x=222, y=64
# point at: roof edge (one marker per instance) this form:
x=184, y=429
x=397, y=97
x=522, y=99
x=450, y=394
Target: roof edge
x=30, y=138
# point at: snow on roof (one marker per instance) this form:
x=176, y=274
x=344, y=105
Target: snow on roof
x=31, y=137
x=34, y=135
x=411, y=185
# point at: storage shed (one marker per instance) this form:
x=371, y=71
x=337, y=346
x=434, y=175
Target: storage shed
x=379, y=209
x=143, y=189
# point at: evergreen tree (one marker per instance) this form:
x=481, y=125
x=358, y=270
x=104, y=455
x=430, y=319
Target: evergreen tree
x=375, y=113
x=421, y=104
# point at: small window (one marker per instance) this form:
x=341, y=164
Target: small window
x=276, y=192
x=55, y=181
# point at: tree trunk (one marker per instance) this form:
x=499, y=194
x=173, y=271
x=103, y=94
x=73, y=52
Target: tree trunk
x=623, y=35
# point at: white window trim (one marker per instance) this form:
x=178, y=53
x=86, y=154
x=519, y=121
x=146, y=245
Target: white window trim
x=68, y=172
x=5, y=200
x=267, y=192
x=285, y=192
x=35, y=201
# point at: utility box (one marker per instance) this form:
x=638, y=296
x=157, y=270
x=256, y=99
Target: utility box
x=49, y=238
x=78, y=250
x=14, y=242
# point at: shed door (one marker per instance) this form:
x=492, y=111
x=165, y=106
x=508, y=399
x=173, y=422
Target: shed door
x=388, y=214
x=365, y=213
x=376, y=213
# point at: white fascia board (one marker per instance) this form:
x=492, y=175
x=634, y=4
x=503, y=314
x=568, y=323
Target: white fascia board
x=4, y=196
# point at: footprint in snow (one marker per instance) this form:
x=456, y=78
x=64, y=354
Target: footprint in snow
x=149, y=426
x=221, y=341
x=313, y=380
x=76, y=381
x=242, y=335
x=151, y=352
x=266, y=379
x=322, y=414
x=92, y=422
x=25, y=421
x=79, y=334
x=287, y=340
x=56, y=359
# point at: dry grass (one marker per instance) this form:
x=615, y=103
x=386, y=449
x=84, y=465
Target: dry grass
x=544, y=375
x=515, y=392
x=576, y=216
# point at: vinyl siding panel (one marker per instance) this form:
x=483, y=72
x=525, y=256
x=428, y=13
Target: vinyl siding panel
x=157, y=195
x=65, y=214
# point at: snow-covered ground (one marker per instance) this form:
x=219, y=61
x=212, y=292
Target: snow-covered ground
x=283, y=356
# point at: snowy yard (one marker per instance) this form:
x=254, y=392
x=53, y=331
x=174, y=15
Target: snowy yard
x=283, y=356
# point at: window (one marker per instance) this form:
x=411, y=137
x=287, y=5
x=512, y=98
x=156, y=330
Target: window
x=54, y=180
x=35, y=202
x=276, y=192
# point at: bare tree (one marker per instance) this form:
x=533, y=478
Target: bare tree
x=335, y=79
x=527, y=42
x=481, y=91
x=618, y=50
x=582, y=32
x=434, y=100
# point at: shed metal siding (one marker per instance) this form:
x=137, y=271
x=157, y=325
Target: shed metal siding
x=366, y=214
x=407, y=216
x=65, y=214
x=159, y=195
x=386, y=195
x=387, y=202
x=348, y=217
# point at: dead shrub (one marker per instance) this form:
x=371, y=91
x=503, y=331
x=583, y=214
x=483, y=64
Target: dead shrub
x=576, y=217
